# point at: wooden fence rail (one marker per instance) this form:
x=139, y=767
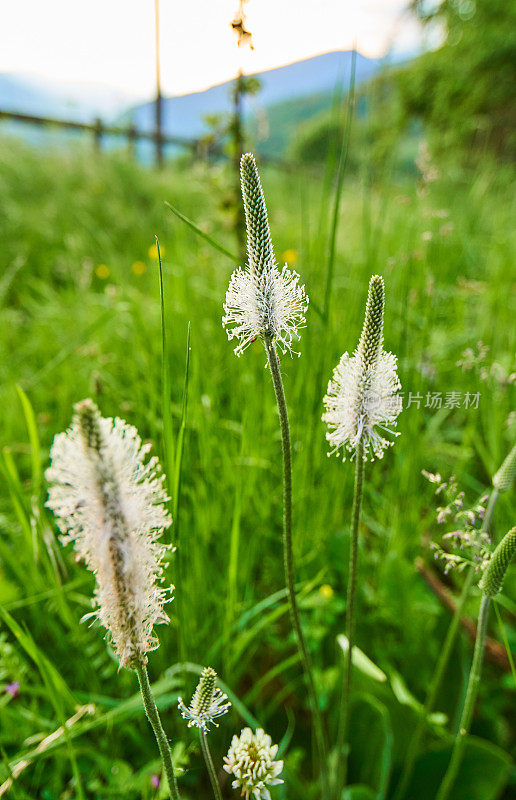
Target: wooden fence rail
x=98, y=129
x=203, y=148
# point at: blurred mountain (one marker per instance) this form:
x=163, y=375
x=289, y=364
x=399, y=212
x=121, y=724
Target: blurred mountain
x=314, y=78
x=81, y=102
x=288, y=96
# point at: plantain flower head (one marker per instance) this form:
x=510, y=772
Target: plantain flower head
x=262, y=301
x=504, y=478
x=251, y=759
x=109, y=502
x=362, y=403
x=207, y=703
x=495, y=568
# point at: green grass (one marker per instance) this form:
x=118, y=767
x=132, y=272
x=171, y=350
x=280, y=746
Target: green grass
x=67, y=334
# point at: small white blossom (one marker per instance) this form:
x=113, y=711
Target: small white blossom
x=267, y=304
x=362, y=401
x=109, y=501
x=207, y=703
x=251, y=760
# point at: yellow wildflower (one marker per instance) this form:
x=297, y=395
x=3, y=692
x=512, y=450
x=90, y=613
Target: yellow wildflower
x=153, y=251
x=139, y=268
x=103, y=272
x=290, y=256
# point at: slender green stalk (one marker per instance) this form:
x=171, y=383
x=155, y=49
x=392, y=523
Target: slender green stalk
x=488, y=518
x=288, y=559
x=155, y=721
x=342, y=744
x=209, y=765
x=442, y=663
x=469, y=703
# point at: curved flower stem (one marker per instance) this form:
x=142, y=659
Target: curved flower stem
x=469, y=703
x=209, y=765
x=155, y=721
x=288, y=559
x=342, y=757
x=442, y=663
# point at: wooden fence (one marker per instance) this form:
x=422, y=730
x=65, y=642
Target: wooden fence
x=99, y=130
x=203, y=148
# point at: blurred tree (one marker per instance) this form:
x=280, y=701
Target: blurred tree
x=464, y=90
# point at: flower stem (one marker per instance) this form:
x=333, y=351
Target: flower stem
x=155, y=721
x=288, y=559
x=342, y=734
x=209, y=765
x=469, y=703
x=442, y=663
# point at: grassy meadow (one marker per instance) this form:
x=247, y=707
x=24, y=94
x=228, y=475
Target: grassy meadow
x=80, y=310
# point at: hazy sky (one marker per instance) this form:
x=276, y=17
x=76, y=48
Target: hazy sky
x=112, y=41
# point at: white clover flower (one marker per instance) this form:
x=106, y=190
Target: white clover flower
x=109, y=501
x=250, y=759
x=362, y=401
x=207, y=703
x=262, y=301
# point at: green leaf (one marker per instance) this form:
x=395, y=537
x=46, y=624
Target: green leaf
x=406, y=698
x=201, y=233
x=482, y=776
x=362, y=662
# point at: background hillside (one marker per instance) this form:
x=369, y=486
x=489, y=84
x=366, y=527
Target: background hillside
x=287, y=95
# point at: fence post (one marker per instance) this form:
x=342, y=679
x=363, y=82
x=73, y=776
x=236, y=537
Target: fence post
x=158, y=135
x=158, y=104
x=98, y=134
x=132, y=135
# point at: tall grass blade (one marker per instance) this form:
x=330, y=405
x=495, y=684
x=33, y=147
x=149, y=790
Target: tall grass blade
x=234, y=548
x=205, y=236
x=343, y=160
x=168, y=434
x=57, y=689
x=32, y=429
x=505, y=640
x=176, y=494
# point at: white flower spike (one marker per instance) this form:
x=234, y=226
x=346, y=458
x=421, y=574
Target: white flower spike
x=109, y=501
x=207, y=703
x=251, y=760
x=362, y=402
x=262, y=301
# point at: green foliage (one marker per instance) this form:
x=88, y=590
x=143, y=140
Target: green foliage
x=274, y=129
x=70, y=330
x=461, y=94
x=378, y=139
x=464, y=90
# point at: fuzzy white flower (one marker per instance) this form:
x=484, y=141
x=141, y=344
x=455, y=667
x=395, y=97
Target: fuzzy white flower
x=251, y=760
x=109, y=501
x=261, y=301
x=362, y=401
x=207, y=703
x=269, y=304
